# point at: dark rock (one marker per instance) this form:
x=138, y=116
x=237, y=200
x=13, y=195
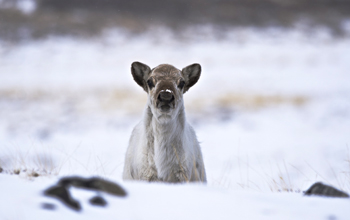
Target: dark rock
x=62, y=193
x=48, y=206
x=61, y=190
x=94, y=183
x=1, y=170
x=98, y=201
x=321, y=189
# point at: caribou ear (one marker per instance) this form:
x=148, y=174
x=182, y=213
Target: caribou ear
x=140, y=72
x=191, y=74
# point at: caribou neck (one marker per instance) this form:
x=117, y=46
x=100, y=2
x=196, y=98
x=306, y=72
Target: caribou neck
x=170, y=133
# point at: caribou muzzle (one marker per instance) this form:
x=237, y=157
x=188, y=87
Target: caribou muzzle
x=166, y=100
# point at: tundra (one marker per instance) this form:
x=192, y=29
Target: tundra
x=163, y=147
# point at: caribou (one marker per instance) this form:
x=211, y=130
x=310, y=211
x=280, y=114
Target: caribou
x=163, y=147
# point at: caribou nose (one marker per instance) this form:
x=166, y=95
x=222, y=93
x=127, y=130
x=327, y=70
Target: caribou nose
x=166, y=96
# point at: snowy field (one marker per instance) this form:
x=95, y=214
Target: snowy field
x=271, y=110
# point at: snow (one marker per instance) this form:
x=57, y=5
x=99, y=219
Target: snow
x=159, y=201
x=271, y=111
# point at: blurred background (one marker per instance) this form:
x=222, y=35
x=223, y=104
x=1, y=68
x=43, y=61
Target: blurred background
x=37, y=19
x=271, y=108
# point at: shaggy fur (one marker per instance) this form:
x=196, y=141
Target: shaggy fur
x=163, y=146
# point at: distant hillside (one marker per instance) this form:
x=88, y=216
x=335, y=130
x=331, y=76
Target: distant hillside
x=89, y=17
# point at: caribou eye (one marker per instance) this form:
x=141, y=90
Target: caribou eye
x=181, y=84
x=150, y=83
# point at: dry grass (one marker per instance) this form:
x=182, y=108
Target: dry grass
x=84, y=101
x=44, y=161
x=27, y=165
x=223, y=106
x=259, y=101
x=277, y=176
x=116, y=100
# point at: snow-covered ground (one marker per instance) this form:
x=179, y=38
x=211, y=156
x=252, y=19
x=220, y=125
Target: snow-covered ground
x=271, y=110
